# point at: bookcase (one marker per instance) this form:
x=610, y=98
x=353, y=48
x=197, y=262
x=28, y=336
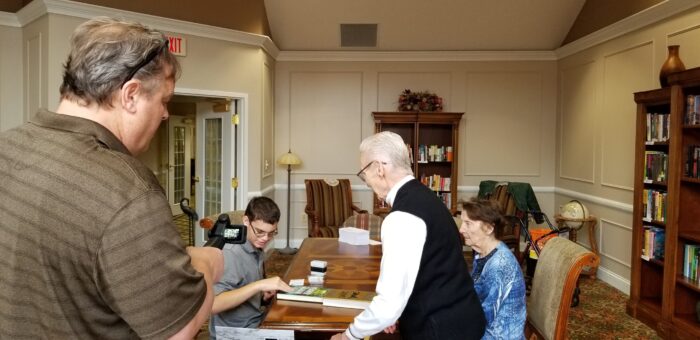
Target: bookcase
x=433, y=141
x=665, y=285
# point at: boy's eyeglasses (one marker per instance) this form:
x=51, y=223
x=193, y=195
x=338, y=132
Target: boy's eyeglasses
x=261, y=233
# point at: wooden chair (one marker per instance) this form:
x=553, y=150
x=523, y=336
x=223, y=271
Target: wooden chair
x=553, y=284
x=510, y=233
x=328, y=206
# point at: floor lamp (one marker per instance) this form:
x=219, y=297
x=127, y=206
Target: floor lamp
x=288, y=159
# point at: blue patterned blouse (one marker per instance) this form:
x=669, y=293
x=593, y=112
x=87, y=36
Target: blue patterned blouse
x=498, y=281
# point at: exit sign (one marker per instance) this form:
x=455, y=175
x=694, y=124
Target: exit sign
x=178, y=45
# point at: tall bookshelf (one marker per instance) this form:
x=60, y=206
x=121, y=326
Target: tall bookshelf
x=666, y=289
x=433, y=140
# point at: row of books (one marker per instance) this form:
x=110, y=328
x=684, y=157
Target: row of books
x=436, y=182
x=410, y=152
x=654, y=238
x=692, y=161
x=434, y=153
x=692, y=110
x=691, y=257
x=658, y=127
x=655, y=166
x=654, y=205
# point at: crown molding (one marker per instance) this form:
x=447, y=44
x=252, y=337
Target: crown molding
x=416, y=56
x=651, y=15
x=37, y=8
x=9, y=19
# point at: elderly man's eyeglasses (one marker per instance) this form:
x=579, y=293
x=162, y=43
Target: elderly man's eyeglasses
x=261, y=233
x=361, y=173
x=152, y=55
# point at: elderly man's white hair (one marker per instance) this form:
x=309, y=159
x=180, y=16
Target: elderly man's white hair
x=387, y=147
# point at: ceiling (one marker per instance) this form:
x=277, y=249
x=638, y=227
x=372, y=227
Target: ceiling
x=402, y=25
x=419, y=25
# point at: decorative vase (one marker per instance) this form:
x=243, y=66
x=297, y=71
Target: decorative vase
x=672, y=64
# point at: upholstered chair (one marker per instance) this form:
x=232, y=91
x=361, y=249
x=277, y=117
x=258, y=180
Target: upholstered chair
x=328, y=206
x=553, y=285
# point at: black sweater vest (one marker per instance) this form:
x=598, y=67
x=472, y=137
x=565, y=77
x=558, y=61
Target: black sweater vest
x=443, y=304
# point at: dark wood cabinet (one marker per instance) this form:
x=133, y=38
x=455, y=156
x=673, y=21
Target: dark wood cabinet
x=665, y=292
x=433, y=140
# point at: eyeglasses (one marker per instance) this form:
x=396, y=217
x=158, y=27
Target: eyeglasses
x=261, y=233
x=152, y=55
x=361, y=173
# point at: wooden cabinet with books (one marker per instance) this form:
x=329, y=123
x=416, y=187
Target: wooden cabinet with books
x=433, y=141
x=665, y=285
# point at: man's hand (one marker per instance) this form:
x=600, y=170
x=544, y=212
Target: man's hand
x=391, y=329
x=340, y=336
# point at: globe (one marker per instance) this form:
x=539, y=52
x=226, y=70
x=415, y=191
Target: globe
x=574, y=210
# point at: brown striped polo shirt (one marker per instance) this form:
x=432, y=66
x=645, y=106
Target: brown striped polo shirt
x=88, y=249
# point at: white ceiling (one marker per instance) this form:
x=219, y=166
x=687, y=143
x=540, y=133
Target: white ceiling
x=421, y=25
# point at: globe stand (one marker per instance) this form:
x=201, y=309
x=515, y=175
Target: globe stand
x=576, y=224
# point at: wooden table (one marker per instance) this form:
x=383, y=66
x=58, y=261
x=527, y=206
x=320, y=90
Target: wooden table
x=349, y=266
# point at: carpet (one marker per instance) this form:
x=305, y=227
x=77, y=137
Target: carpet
x=599, y=315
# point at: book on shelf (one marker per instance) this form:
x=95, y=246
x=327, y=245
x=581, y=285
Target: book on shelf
x=691, y=257
x=434, y=153
x=654, y=243
x=332, y=297
x=658, y=126
x=692, y=110
x=655, y=166
x=654, y=205
x=691, y=163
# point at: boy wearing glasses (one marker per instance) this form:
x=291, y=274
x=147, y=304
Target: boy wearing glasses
x=242, y=291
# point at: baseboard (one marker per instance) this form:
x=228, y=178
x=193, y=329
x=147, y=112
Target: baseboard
x=617, y=281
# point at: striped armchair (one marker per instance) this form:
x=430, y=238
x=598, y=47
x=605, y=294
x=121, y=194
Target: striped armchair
x=329, y=205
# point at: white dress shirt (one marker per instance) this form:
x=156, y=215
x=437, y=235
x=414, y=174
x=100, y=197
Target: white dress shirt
x=403, y=236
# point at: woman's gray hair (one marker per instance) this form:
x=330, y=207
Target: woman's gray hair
x=389, y=147
x=105, y=51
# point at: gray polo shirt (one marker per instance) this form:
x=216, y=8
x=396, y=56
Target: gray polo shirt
x=243, y=264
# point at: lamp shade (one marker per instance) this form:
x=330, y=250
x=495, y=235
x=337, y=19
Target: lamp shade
x=289, y=158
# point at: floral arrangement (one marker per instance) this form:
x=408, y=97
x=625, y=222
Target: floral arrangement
x=419, y=101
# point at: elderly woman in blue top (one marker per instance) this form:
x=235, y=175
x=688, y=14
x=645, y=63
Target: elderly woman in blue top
x=498, y=279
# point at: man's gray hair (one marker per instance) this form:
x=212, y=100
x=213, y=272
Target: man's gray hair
x=105, y=52
x=387, y=146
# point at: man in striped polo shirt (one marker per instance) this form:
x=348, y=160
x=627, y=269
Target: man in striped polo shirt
x=88, y=249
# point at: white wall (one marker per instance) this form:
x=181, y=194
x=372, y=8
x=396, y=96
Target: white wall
x=324, y=110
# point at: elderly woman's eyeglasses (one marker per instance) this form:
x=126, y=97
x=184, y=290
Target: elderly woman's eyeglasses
x=152, y=55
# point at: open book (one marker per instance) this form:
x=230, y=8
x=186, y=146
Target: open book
x=332, y=297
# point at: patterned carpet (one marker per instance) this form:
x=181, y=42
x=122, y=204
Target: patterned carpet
x=599, y=315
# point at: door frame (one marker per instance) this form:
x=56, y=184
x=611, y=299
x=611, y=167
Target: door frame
x=173, y=122
x=241, y=146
